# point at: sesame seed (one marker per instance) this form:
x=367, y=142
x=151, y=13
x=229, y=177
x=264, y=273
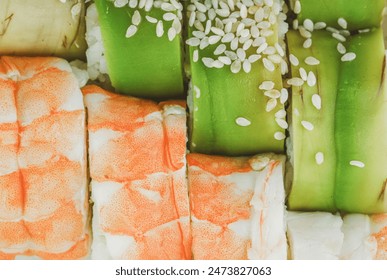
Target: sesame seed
x=348, y=56
x=307, y=125
x=308, y=24
x=228, y=38
x=131, y=31
x=266, y=85
x=247, y=44
x=303, y=74
x=193, y=42
x=293, y=60
x=207, y=61
x=201, y=7
x=149, y=5
x=259, y=41
x=151, y=19
x=198, y=34
x=261, y=48
x=271, y=104
x=342, y=22
x=284, y=96
x=275, y=58
x=192, y=19
x=141, y=4
x=332, y=29
x=254, y=57
x=171, y=33
x=310, y=60
x=195, y=55
x=273, y=93
x=214, y=39
x=243, y=11
x=133, y=3
x=215, y=3
x=232, y=55
x=304, y=33
x=295, y=82
x=307, y=43
x=167, y=7
x=357, y=163
x=236, y=66
x=246, y=66
x=259, y=15
x=217, y=31
x=231, y=4
x=197, y=91
x=297, y=7
x=279, y=49
x=267, y=33
x=295, y=24
x=242, y=121
x=220, y=49
x=211, y=14
x=234, y=44
x=217, y=64
x=269, y=50
x=241, y=54
x=159, y=29
x=268, y=65
x=311, y=79
x=204, y=43
x=316, y=101
x=282, y=123
x=117, y=3
x=364, y=30
x=222, y=12
x=319, y=157
x=280, y=114
x=279, y=136
x=339, y=37
x=341, y=49
x=320, y=25
x=169, y=16
x=225, y=60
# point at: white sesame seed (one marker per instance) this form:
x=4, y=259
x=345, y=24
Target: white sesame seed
x=236, y=66
x=167, y=7
x=303, y=74
x=284, y=96
x=217, y=64
x=136, y=18
x=117, y=3
x=259, y=15
x=215, y=3
x=204, y=43
x=310, y=60
x=254, y=57
x=266, y=85
x=308, y=24
x=275, y=58
x=261, y=48
x=217, y=31
x=220, y=49
x=259, y=41
x=131, y=31
x=228, y=38
x=242, y=121
x=348, y=56
x=197, y=91
x=341, y=49
x=345, y=33
x=198, y=25
x=222, y=12
x=195, y=55
x=240, y=27
x=148, y=5
x=268, y=65
x=282, y=123
x=214, y=39
x=273, y=93
x=169, y=16
x=231, y=55
x=159, y=29
x=211, y=14
x=208, y=26
x=247, y=44
x=304, y=33
x=342, y=22
x=269, y=50
x=307, y=43
x=246, y=66
x=267, y=32
x=243, y=11
x=339, y=37
x=319, y=157
x=320, y=25
x=281, y=114
x=235, y=15
x=225, y=60
x=151, y=19
x=271, y=104
x=141, y=4
x=279, y=136
x=208, y=61
x=198, y=34
x=307, y=125
x=332, y=29
x=295, y=82
x=364, y=30
x=193, y=42
x=241, y=54
x=279, y=49
x=191, y=8
x=297, y=7
x=357, y=163
x=176, y=4
x=192, y=19
x=234, y=44
x=293, y=60
x=231, y=4
x=201, y=7
x=245, y=33
x=311, y=79
x=201, y=16
x=295, y=24
x=316, y=101
x=171, y=33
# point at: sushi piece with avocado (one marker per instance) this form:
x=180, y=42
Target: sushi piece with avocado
x=236, y=96
x=43, y=28
x=141, y=45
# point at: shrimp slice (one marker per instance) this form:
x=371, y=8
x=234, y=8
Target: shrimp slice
x=43, y=180
x=137, y=166
x=237, y=207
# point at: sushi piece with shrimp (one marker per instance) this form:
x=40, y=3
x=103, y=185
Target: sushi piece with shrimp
x=237, y=207
x=43, y=179
x=138, y=177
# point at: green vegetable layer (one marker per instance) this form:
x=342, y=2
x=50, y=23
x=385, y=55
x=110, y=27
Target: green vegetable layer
x=143, y=65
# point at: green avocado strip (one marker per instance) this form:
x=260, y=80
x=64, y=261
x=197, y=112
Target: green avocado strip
x=143, y=65
x=313, y=184
x=361, y=127
x=359, y=14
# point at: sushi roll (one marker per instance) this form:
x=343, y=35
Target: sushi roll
x=43, y=176
x=237, y=207
x=236, y=96
x=140, y=46
x=138, y=177
x=43, y=28
x=337, y=119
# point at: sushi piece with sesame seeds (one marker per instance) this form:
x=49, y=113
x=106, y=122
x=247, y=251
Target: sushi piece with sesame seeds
x=236, y=96
x=141, y=44
x=352, y=15
x=43, y=28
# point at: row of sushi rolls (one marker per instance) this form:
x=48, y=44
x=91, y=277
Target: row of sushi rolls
x=196, y=129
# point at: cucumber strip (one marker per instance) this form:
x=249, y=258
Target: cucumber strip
x=229, y=113
x=43, y=28
x=313, y=151
x=357, y=14
x=361, y=127
x=140, y=62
